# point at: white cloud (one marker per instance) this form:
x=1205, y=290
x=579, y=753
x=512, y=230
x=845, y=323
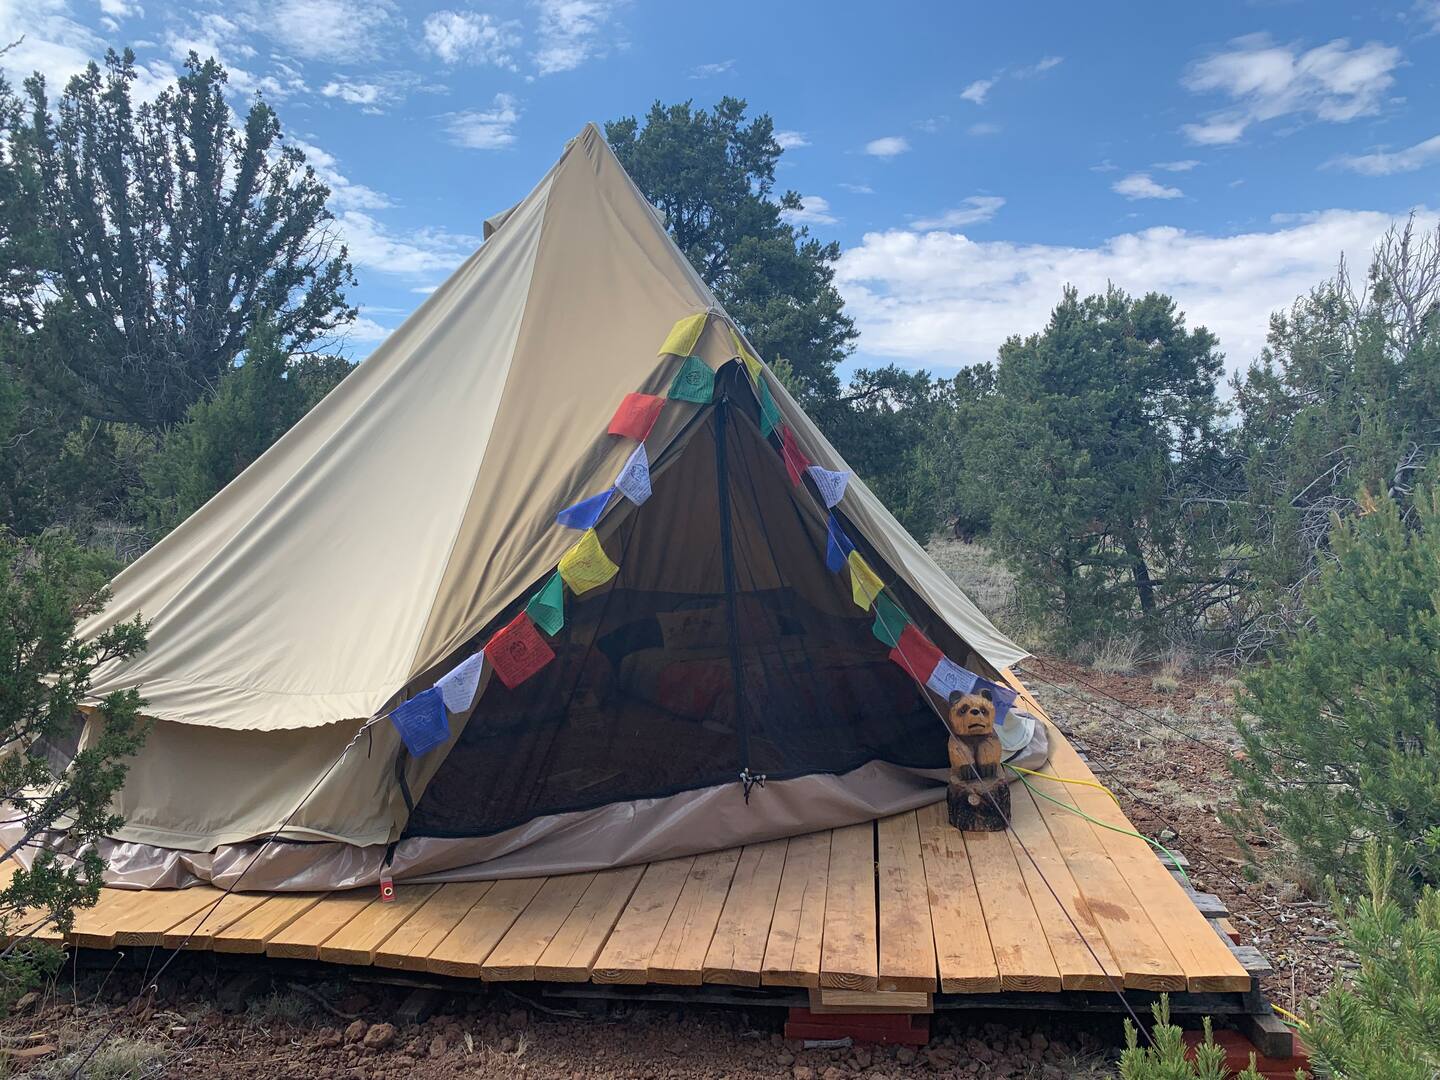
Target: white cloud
x=363, y=330
x=984, y=128
x=1387, y=163
x=373, y=94
x=571, y=32
x=120, y=9
x=471, y=37
x=339, y=31
x=485, y=129
x=53, y=42
x=858, y=189
x=814, y=210
x=889, y=146
x=344, y=193
x=977, y=91
x=708, y=71
x=426, y=251
x=1265, y=81
x=1141, y=186
x=1176, y=166
x=971, y=211
x=1044, y=64
x=424, y=290
x=790, y=140
x=940, y=298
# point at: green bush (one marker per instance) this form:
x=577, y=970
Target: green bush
x=1386, y=1024
x=56, y=797
x=1342, y=729
x=1168, y=1058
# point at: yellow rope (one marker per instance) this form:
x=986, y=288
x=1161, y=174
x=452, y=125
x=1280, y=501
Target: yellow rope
x=1288, y=1015
x=1065, y=780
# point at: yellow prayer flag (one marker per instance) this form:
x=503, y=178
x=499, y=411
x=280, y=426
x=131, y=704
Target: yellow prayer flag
x=586, y=566
x=865, y=584
x=752, y=362
x=684, y=335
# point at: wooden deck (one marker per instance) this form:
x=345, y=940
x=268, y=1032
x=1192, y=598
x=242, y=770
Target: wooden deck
x=904, y=904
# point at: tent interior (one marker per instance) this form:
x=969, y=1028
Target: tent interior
x=723, y=646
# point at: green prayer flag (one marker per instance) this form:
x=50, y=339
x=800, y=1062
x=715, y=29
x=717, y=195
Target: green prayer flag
x=890, y=621
x=547, y=607
x=693, y=382
x=770, y=417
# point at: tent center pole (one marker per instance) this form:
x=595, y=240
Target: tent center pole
x=727, y=557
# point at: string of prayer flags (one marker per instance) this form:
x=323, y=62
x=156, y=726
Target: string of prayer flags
x=457, y=688
x=830, y=483
x=684, y=335
x=837, y=546
x=636, y=416
x=865, y=584
x=693, y=382
x=547, y=607
x=584, y=514
x=751, y=361
x=634, y=479
x=890, y=621
x=795, y=460
x=1002, y=696
x=950, y=678
x=586, y=566
x=770, y=417
x=517, y=651
x=422, y=722
x=917, y=654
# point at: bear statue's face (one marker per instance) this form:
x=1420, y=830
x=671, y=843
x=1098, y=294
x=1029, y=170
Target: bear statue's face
x=972, y=714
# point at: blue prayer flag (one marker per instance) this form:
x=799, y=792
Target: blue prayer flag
x=837, y=546
x=1002, y=696
x=422, y=722
x=584, y=514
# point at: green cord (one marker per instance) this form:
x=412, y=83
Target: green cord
x=1175, y=862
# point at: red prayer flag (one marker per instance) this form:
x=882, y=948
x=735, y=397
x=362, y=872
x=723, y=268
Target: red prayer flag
x=636, y=416
x=795, y=460
x=916, y=654
x=517, y=651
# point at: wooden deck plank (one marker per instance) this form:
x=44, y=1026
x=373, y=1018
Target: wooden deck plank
x=97, y=927
x=1076, y=943
x=514, y=958
x=465, y=948
x=737, y=951
x=962, y=941
x=797, y=928
x=1135, y=945
x=679, y=956
x=907, y=938
x=626, y=955
x=849, y=958
x=170, y=908
x=252, y=932
x=301, y=940
x=186, y=934
x=1208, y=965
x=572, y=952
x=1017, y=935
x=358, y=940
x=410, y=946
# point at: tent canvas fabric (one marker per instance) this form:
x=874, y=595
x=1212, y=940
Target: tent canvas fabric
x=412, y=513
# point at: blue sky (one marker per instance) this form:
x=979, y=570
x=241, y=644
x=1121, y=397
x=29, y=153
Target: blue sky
x=969, y=159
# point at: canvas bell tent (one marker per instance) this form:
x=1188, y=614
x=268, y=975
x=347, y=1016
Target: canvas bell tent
x=699, y=653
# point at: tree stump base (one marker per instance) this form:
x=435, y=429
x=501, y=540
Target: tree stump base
x=979, y=805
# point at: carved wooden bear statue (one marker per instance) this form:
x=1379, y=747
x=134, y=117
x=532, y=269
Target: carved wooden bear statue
x=978, y=795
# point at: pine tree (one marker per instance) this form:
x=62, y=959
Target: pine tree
x=1342, y=729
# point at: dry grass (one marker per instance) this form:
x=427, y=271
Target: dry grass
x=1118, y=655
x=118, y=1059
x=981, y=576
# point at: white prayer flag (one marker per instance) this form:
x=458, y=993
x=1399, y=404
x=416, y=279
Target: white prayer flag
x=949, y=677
x=634, y=479
x=458, y=687
x=831, y=483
